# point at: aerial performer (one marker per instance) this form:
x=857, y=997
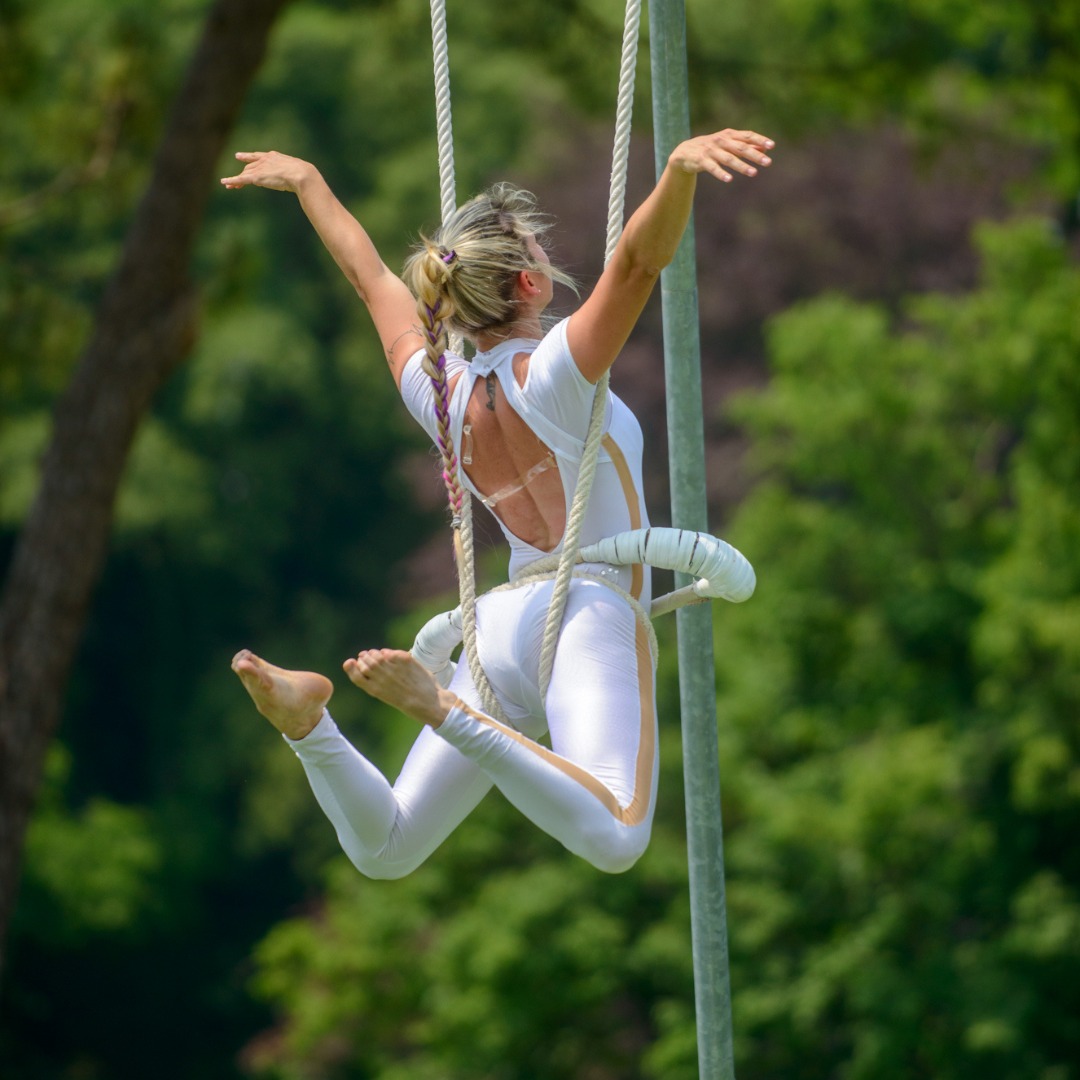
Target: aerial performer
x=510, y=425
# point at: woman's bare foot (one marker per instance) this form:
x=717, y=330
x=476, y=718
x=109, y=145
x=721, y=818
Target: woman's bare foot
x=293, y=701
x=395, y=677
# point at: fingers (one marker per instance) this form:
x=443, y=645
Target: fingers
x=269, y=169
x=743, y=149
x=753, y=137
x=727, y=152
x=244, y=178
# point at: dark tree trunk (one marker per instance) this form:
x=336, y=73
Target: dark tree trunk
x=144, y=329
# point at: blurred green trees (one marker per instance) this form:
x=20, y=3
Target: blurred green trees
x=955, y=72
x=900, y=706
x=898, y=703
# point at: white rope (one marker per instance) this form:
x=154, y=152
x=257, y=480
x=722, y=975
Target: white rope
x=443, y=119
x=444, y=125
x=467, y=585
x=591, y=453
x=720, y=570
x=465, y=548
x=624, y=113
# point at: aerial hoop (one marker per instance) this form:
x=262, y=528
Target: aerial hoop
x=721, y=572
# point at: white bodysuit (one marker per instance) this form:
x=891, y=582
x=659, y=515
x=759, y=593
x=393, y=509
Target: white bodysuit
x=595, y=789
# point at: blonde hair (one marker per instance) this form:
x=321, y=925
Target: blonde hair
x=464, y=278
x=471, y=263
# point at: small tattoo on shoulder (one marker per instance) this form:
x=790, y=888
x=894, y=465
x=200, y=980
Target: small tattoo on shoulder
x=491, y=391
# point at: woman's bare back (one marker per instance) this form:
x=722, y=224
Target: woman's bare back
x=510, y=465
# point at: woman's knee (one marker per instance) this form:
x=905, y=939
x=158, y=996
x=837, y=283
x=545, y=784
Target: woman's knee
x=617, y=849
x=380, y=868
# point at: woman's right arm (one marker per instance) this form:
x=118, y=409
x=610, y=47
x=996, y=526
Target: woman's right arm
x=597, y=331
x=392, y=306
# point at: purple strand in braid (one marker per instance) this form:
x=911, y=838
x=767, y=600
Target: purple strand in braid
x=442, y=413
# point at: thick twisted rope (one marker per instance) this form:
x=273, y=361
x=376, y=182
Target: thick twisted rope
x=460, y=500
x=624, y=114
x=467, y=587
x=591, y=454
x=443, y=120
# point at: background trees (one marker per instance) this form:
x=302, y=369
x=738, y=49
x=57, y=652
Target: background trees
x=895, y=856
x=897, y=704
x=143, y=328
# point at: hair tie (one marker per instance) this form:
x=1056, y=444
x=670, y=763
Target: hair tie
x=449, y=257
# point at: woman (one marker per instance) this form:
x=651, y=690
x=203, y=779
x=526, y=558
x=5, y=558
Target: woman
x=516, y=415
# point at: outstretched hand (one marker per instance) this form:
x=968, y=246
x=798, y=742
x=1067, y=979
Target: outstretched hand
x=269, y=169
x=739, y=151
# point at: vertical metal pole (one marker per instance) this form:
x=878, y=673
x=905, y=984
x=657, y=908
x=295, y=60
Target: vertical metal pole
x=686, y=447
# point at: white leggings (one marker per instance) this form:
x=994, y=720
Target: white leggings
x=594, y=790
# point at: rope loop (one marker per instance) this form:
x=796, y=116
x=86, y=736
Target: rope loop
x=459, y=499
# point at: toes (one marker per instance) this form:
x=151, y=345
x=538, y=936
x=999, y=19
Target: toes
x=253, y=673
x=246, y=660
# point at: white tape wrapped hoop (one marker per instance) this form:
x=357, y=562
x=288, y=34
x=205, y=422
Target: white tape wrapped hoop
x=722, y=573
x=435, y=644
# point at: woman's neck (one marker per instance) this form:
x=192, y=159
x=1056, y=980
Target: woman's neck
x=529, y=328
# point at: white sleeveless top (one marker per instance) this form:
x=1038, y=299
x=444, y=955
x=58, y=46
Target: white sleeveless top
x=555, y=403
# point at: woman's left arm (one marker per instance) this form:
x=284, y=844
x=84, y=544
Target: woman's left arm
x=597, y=331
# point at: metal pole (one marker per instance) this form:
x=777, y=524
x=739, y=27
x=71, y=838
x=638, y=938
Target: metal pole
x=697, y=690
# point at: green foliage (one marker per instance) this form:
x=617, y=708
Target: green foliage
x=950, y=69
x=902, y=747
x=91, y=873
x=504, y=957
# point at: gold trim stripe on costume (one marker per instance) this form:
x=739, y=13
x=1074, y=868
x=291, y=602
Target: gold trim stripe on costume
x=618, y=459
